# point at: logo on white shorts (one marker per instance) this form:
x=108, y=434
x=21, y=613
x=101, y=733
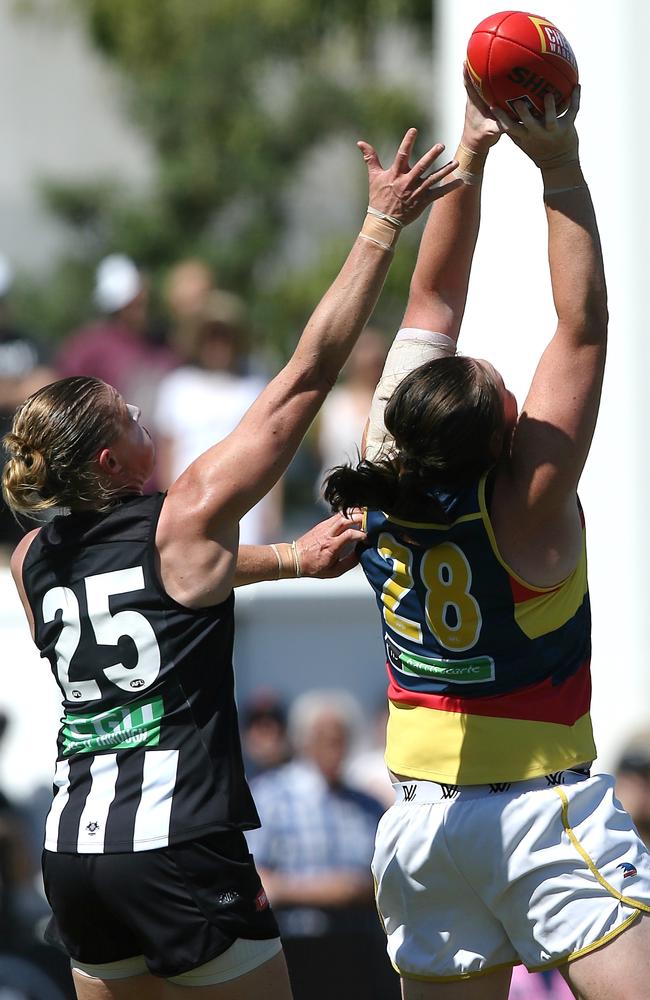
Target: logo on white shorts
x=628, y=869
x=410, y=792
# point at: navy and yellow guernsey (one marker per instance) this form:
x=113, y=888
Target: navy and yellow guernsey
x=489, y=677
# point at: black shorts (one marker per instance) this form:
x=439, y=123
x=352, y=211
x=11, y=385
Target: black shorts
x=179, y=906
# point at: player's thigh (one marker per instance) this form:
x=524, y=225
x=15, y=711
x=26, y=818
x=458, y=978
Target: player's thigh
x=619, y=970
x=492, y=986
x=134, y=988
x=269, y=981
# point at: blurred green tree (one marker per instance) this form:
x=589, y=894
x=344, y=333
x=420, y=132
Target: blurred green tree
x=236, y=99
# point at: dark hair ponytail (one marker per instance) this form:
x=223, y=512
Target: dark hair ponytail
x=369, y=484
x=445, y=418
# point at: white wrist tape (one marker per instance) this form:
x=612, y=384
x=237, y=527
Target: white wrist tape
x=411, y=348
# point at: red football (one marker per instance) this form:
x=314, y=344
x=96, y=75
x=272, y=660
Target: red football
x=517, y=56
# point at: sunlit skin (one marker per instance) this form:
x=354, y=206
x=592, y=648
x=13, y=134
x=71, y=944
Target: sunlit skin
x=129, y=460
x=510, y=407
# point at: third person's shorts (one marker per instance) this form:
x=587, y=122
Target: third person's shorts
x=472, y=878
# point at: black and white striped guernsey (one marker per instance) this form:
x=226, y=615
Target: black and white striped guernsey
x=148, y=750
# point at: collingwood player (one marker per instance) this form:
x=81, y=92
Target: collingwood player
x=501, y=847
x=130, y=597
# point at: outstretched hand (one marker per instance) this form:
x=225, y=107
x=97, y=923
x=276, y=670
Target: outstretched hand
x=549, y=142
x=402, y=191
x=328, y=549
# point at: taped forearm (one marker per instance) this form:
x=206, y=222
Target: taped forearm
x=411, y=348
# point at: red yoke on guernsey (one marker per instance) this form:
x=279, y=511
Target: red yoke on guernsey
x=489, y=677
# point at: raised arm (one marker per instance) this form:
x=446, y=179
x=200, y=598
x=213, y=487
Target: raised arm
x=555, y=430
x=197, y=533
x=438, y=291
x=440, y=280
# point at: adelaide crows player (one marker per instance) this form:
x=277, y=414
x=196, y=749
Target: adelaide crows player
x=500, y=847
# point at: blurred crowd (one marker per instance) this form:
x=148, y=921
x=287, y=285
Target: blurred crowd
x=193, y=377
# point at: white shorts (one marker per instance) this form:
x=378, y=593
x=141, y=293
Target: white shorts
x=486, y=876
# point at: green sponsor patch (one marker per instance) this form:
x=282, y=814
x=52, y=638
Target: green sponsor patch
x=477, y=670
x=137, y=724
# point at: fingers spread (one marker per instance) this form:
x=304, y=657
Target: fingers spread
x=369, y=155
x=430, y=184
x=425, y=161
x=406, y=145
x=575, y=103
x=550, y=112
x=437, y=190
x=523, y=110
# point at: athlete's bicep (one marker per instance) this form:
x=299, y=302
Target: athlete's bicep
x=556, y=427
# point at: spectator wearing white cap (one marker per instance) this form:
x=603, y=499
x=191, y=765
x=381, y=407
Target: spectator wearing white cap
x=118, y=346
x=23, y=369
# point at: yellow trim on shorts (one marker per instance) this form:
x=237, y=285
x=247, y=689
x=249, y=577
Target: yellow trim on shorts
x=635, y=904
x=375, y=888
x=458, y=976
x=589, y=947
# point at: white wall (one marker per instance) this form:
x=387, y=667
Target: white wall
x=61, y=117
x=510, y=314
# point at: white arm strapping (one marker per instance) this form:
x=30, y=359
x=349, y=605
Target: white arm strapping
x=411, y=348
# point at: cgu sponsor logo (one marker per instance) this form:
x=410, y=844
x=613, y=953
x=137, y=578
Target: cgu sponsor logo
x=120, y=728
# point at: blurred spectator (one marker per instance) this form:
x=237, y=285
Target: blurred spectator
x=265, y=740
x=23, y=369
x=633, y=782
x=18, y=899
x=367, y=768
x=342, y=419
x=29, y=969
x=187, y=289
x=313, y=853
x=201, y=402
x=119, y=347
